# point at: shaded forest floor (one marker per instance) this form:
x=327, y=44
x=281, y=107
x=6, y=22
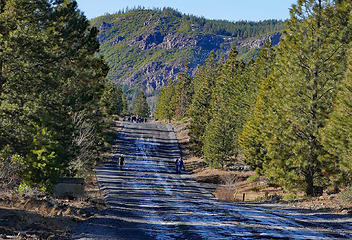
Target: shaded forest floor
x=37, y=216
x=237, y=182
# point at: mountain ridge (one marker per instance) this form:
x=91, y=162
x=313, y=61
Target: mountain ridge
x=146, y=48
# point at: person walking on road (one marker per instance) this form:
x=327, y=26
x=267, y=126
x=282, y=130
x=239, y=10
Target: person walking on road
x=179, y=165
x=121, y=161
x=176, y=165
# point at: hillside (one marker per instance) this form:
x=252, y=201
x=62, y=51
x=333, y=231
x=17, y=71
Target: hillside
x=145, y=48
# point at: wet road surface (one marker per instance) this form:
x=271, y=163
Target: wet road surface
x=148, y=200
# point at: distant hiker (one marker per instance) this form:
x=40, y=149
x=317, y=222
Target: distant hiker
x=121, y=161
x=180, y=165
x=176, y=165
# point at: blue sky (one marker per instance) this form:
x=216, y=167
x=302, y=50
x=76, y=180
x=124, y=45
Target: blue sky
x=232, y=10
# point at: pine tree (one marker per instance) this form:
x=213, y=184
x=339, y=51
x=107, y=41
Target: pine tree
x=165, y=107
x=112, y=102
x=3, y=31
x=200, y=110
x=125, y=106
x=51, y=76
x=310, y=64
x=160, y=105
x=183, y=94
x=250, y=138
x=23, y=65
x=141, y=107
x=337, y=135
x=81, y=76
x=219, y=139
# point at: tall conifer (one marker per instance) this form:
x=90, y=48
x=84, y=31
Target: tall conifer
x=310, y=65
x=250, y=138
x=51, y=88
x=165, y=107
x=183, y=93
x=141, y=107
x=220, y=140
x=337, y=135
x=200, y=109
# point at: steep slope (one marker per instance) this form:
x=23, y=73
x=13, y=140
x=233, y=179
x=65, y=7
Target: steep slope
x=145, y=48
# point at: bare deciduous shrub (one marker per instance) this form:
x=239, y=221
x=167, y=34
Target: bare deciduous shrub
x=9, y=169
x=227, y=190
x=84, y=142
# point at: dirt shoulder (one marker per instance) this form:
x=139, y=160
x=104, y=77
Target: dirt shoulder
x=238, y=183
x=38, y=216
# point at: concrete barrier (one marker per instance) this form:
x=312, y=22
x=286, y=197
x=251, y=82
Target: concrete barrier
x=69, y=187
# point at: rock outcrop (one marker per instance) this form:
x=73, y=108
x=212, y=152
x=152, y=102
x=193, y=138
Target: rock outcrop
x=145, y=48
x=259, y=41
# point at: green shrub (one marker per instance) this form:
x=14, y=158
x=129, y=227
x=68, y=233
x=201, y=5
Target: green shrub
x=258, y=188
x=290, y=196
x=267, y=197
x=41, y=167
x=253, y=178
x=24, y=188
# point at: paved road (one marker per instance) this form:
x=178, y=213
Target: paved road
x=149, y=201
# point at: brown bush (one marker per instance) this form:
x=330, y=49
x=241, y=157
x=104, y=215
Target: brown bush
x=226, y=191
x=9, y=170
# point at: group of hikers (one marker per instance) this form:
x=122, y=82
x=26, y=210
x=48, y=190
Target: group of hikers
x=178, y=164
x=136, y=119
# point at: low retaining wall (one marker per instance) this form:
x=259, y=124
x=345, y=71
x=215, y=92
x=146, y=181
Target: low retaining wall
x=69, y=187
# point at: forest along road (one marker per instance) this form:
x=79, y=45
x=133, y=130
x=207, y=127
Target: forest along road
x=148, y=200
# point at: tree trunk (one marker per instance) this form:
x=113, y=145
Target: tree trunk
x=310, y=184
x=2, y=6
x=313, y=141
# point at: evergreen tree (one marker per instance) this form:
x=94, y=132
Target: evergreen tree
x=219, y=140
x=50, y=76
x=20, y=53
x=160, y=104
x=72, y=45
x=200, y=110
x=112, y=101
x=165, y=107
x=250, y=138
x=141, y=107
x=337, y=135
x=3, y=31
x=310, y=64
x=183, y=94
x=26, y=109
x=125, y=106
